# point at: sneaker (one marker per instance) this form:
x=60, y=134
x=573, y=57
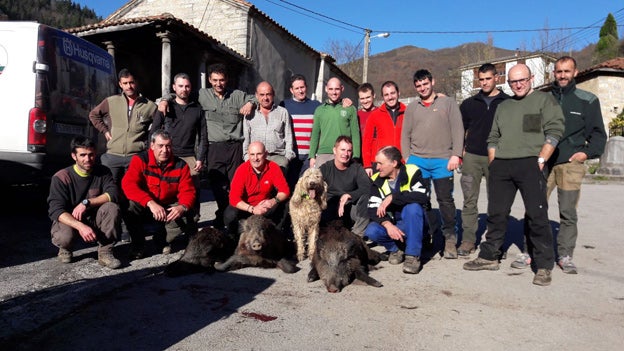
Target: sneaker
x=106, y=258
x=480, y=264
x=166, y=250
x=523, y=260
x=411, y=265
x=465, y=249
x=396, y=257
x=542, y=277
x=450, y=250
x=65, y=256
x=567, y=265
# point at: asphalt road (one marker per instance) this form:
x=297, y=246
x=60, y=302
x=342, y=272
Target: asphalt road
x=47, y=305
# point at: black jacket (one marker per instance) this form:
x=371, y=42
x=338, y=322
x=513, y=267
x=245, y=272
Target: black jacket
x=477, y=118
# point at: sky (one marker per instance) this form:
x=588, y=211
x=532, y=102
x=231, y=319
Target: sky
x=439, y=24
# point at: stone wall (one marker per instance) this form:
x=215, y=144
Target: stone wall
x=225, y=20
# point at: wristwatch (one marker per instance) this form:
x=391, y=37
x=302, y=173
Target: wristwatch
x=540, y=160
x=86, y=202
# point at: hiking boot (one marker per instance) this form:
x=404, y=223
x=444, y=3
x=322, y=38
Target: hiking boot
x=136, y=253
x=567, y=265
x=542, y=277
x=65, y=256
x=480, y=264
x=450, y=250
x=396, y=257
x=106, y=258
x=411, y=265
x=523, y=261
x=166, y=250
x=465, y=249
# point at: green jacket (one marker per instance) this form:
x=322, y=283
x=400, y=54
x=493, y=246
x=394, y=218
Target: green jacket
x=129, y=134
x=223, y=120
x=330, y=122
x=522, y=126
x=584, y=129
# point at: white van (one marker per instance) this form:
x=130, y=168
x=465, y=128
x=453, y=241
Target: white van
x=49, y=82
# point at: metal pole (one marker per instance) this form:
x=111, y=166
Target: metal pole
x=366, y=48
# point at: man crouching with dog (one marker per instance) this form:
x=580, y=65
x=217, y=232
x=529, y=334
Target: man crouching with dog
x=396, y=207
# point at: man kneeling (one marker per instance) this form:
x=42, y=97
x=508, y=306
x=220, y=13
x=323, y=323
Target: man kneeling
x=396, y=208
x=161, y=193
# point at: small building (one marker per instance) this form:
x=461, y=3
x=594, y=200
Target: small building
x=541, y=66
x=606, y=81
x=260, y=47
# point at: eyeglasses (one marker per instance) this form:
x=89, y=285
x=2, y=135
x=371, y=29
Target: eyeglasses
x=518, y=81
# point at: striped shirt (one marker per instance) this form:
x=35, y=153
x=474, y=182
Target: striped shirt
x=302, y=113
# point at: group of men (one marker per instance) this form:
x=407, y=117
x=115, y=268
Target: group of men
x=379, y=162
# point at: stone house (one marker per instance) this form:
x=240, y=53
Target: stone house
x=541, y=66
x=605, y=80
x=261, y=48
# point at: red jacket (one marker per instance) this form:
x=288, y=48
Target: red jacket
x=145, y=181
x=248, y=188
x=380, y=131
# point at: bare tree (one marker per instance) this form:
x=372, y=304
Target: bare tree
x=348, y=56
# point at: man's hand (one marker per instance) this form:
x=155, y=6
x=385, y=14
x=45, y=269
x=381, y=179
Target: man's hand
x=579, y=156
x=312, y=162
x=343, y=201
x=453, y=163
x=381, y=211
x=159, y=212
x=393, y=231
x=163, y=106
x=346, y=102
x=79, y=211
x=86, y=233
x=369, y=172
x=246, y=109
x=108, y=136
x=198, y=166
x=175, y=212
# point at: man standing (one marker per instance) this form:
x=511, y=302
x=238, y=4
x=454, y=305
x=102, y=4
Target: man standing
x=161, y=193
x=432, y=138
x=477, y=114
x=332, y=120
x=366, y=95
x=347, y=188
x=525, y=132
x=383, y=127
x=259, y=188
x=584, y=138
x=224, y=110
x=270, y=125
x=124, y=120
x=186, y=123
x=82, y=201
x=397, y=199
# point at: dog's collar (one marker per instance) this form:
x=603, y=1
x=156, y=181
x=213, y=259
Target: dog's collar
x=305, y=195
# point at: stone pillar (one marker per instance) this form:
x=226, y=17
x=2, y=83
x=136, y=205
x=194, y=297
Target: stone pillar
x=612, y=161
x=110, y=47
x=165, y=38
x=203, y=77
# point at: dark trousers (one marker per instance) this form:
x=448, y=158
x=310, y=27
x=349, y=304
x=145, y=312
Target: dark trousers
x=506, y=178
x=223, y=160
x=140, y=222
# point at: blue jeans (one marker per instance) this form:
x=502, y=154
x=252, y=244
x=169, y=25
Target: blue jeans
x=411, y=223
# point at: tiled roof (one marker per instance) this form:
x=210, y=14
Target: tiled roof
x=132, y=3
x=165, y=17
x=616, y=64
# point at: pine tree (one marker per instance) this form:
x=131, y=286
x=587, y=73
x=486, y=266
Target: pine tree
x=608, y=44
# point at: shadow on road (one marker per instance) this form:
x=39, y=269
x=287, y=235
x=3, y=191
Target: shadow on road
x=143, y=311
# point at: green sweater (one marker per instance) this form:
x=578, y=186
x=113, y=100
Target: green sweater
x=330, y=122
x=522, y=126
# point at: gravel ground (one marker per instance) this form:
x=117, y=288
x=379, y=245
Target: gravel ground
x=47, y=305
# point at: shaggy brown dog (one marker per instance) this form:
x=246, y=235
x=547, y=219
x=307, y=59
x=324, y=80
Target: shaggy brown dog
x=308, y=200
